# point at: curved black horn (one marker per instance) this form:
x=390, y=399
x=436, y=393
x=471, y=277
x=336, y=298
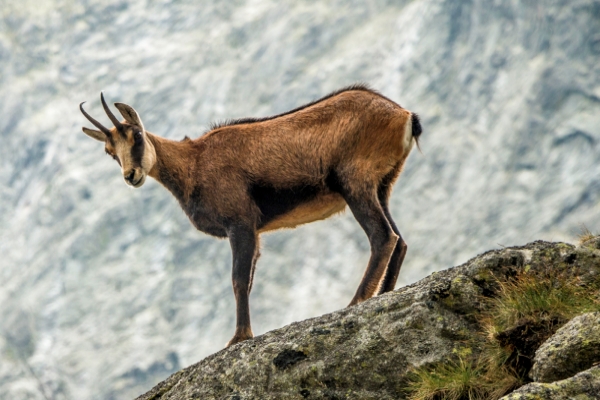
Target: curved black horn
x=93, y=121
x=112, y=117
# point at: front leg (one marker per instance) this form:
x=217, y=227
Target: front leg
x=243, y=241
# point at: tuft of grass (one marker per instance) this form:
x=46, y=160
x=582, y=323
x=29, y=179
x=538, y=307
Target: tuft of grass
x=460, y=379
x=527, y=309
x=537, y=299
x=495, y=355
x=585, y=235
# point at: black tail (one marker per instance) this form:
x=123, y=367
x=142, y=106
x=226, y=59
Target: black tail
x=416, y=129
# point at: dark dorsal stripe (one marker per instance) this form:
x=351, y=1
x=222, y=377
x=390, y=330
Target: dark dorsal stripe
x=359, y=86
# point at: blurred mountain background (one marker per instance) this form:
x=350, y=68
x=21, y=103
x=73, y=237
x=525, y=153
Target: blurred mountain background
x=105, y=290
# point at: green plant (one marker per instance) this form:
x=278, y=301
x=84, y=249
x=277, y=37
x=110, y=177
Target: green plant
x=462, y=379
x=537, y=299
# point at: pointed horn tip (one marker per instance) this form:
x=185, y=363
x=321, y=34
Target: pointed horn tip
x=109, y=113
x=97, y=124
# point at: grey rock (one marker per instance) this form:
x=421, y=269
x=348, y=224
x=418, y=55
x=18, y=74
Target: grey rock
x=573, y=348
x=583, y=386
x=367, y=351
x=351, y=353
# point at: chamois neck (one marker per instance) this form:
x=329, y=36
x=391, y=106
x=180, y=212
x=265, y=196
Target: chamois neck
x=173, y=165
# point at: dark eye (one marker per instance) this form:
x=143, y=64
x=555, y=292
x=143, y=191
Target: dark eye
x=137, y=136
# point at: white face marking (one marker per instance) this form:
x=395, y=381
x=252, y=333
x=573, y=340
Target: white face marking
x=134, y=175
x=121, y=143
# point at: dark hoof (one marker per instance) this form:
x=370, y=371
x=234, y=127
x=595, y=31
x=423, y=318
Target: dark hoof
x=237, y=338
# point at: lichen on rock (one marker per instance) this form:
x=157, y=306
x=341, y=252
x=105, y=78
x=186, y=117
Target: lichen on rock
x=583, y=386
x=573, y=348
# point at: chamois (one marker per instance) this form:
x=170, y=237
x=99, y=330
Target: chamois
x=248, y=176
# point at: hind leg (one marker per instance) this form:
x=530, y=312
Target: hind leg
x=371, y=217
x=393, y=268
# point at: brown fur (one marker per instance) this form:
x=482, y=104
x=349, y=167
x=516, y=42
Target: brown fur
x=251, y=176
x=290, y=151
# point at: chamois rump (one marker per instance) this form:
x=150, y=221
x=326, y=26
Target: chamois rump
x=249, y=176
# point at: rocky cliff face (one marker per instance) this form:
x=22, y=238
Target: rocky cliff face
x=106, y=290
x=369, y=351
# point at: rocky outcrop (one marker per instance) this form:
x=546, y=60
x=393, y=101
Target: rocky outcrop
x=573, y=348
x=352, y=353
x=369, y=351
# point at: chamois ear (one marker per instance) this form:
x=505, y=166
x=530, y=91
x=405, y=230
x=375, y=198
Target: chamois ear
x=94, y=134
x=130, y=115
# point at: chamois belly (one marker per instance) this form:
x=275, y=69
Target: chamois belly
x=320, y=207
x=291, y=206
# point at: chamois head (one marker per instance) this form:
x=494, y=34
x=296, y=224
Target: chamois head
x=127, y=142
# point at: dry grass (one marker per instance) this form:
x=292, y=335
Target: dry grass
x=537, y=299
x=585, y=235
x=488, y=373
x=461, y=379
